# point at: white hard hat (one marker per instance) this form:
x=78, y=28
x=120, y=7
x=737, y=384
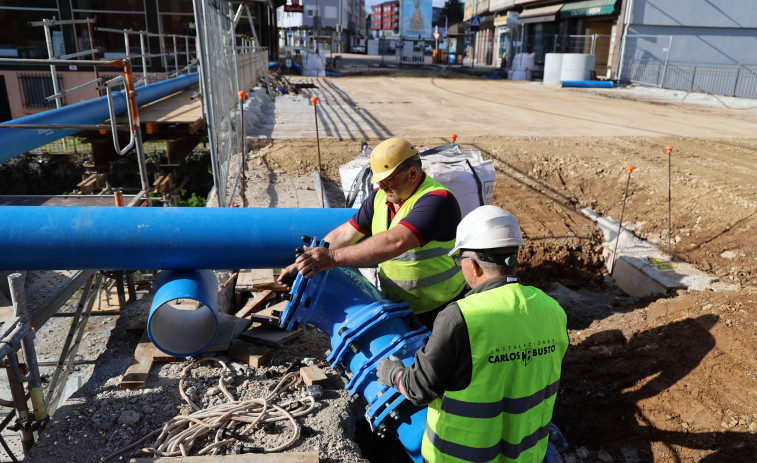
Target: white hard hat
x=487, y=227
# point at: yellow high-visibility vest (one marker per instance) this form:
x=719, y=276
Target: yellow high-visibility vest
x=518, y=337
x=425, y=277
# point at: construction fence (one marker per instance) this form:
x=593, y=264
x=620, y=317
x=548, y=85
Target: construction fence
x=645, y=61
x=228, y=64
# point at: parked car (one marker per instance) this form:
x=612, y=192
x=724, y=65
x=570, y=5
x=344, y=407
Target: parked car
x=358, y=49
x=428, y=49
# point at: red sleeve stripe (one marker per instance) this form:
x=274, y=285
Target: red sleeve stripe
x=439, y=193
x=357, y=227
x=415, y=232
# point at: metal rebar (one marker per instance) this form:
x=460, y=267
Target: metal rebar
x=670, y=230
x=61, y=22
x=54, y=394
x=60, y=94
x=62, y=62
x=314, y=100
x=620, y=223
x=90, y=29
x=18, y=297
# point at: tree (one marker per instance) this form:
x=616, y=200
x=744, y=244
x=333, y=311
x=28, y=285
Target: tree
x=453, y=10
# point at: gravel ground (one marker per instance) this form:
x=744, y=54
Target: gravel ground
x=101, y=418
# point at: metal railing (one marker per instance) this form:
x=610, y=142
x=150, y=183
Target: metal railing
x=739, y=80
x=228, y=63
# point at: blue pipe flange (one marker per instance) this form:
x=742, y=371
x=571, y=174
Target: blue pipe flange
x=364, y=327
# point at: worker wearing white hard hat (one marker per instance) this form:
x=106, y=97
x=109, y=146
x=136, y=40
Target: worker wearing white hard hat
x=491, y=368
x=409, y=225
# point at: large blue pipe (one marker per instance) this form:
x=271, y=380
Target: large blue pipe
x=18, y=141
x=588, y=83
x=124, y=238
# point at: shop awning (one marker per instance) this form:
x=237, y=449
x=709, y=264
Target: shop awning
x=588, y=8
x=500, y=21
x=544, y=14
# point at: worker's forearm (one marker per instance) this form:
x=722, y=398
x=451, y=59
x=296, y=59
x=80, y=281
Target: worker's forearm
x=372, y=251
x=343, y=235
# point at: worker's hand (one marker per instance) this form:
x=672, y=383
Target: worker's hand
x=388, y=370
x=288, y=275
x=314, y=260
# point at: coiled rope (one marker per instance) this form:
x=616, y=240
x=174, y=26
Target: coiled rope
x=179, y=435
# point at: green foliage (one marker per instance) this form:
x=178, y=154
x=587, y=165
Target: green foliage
x=453, y=9
x=185, y=200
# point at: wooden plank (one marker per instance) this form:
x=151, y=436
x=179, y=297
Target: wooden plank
x=137, y=373
x=269, y=335
x=312, y=375
x=249, y=278
x=179, y=107
x=253, y=355
x=144, y=355
x=290, y=457
x=254, y=303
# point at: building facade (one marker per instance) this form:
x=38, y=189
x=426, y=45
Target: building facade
x=336, y=25
x=23, y=89
x=385, y=20
x=688, y=45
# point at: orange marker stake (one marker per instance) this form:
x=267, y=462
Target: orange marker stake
x=453, y=137
x=629, y=169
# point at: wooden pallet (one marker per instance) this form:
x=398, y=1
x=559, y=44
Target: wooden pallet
x=254, y=281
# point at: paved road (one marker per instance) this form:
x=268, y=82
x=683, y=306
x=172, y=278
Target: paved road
x=383, y=106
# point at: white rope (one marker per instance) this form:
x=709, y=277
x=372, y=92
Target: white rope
x=179, y=435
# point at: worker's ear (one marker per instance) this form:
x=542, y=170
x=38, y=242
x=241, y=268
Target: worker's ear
x=413, y=173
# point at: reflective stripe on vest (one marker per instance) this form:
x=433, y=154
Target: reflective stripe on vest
x=493, y=409
x=518, y=338
x=484, y=455
x=425, y=277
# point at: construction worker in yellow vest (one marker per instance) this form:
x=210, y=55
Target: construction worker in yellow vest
x=490, y=370
x=409, y=225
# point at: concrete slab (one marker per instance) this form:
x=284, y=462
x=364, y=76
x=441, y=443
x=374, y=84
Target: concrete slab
x=641, y=268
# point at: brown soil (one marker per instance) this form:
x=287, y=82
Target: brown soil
x=672, y=377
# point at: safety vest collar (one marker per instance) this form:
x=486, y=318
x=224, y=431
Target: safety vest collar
x=486, y=454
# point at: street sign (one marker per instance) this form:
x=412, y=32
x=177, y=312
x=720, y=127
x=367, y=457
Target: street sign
x=436, y=35
x=475, y=23
x=295, y=7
